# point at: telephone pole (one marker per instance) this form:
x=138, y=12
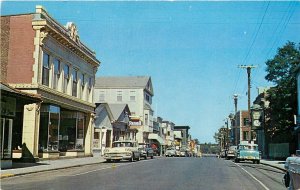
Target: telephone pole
x=248, y=67
x=235, y=98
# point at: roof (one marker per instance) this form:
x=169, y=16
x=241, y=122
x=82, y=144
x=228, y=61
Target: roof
x=5, y=88
x=117, y=109
x=126, y=82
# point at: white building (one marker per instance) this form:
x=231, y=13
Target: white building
x=135, y=91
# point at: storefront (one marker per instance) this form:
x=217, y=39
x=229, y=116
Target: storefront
x=62, y=132
x=11, y=123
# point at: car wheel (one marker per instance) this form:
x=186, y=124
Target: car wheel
x=132, y=158
x=236, y=160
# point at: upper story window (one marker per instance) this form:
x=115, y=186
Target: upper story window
x=82, y=84
x=66, y=77
x=90, y=83
x=119, y=96
x=148, y=98
x=74, y=86
x=245, y=121
x=146, y=119
x=102, y=96
x=56, y=77
x=46, y=69
x=132, y=95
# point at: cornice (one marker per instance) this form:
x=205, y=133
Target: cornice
x=67, y=37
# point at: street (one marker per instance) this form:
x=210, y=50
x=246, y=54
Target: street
x=159, y=173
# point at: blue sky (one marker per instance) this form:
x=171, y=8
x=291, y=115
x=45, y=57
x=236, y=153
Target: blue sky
x=190, y=49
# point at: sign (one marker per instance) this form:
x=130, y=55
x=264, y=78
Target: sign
x=135, y=123
x=255, y=115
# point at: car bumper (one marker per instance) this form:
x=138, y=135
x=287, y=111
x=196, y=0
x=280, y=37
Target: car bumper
x=123, y=156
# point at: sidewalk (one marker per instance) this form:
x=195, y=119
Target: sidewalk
x=46, y=165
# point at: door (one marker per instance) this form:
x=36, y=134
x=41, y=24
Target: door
x=6, y=138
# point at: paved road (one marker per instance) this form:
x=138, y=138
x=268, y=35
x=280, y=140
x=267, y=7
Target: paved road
x=162, y=173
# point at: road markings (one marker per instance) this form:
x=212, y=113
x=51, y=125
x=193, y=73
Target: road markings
x=113, y=166
x=261, y=183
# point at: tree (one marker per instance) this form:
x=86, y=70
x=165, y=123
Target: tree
x=283, y=96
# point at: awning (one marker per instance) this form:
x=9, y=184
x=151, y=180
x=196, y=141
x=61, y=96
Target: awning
x=154, y=136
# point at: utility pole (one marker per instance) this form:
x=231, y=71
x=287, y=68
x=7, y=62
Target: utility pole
x=235, y=98
x=248, y=67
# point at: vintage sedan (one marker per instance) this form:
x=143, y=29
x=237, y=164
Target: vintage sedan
x=231, y=152
x=292, y=176
x=247, y=151
x=146, y=150
x=170, y=152
x=123, y=150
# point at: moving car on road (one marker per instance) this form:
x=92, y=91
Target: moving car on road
x=231, y=152
x=170, y=152
x=247, y=151
x=123, y=150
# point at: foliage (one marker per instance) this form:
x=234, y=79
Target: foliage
x=282, y=97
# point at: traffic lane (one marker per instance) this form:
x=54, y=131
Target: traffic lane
x=165, y=173
x=270, y=176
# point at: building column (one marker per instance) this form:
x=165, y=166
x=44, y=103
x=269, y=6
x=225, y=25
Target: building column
x=89, y=135
x=30, y=136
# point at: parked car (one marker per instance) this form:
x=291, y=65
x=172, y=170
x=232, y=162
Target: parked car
x=177, y=153
x=247, y=151
x=292, y=176
x=231, y=152
x=123, y=150
x=170, y=152
x=183, y=153
x=146, y=150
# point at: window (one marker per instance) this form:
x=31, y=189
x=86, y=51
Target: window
x=82, y=85
x=66, y=77
x=90, y=83
x=56, y=63
x=46, y=69
x=146, y=119
x=119, y=96
x=102, y=96
x=132, y=95
x=246, y=121
x=74, y=86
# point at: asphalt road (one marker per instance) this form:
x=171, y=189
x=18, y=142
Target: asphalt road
x=157, y=174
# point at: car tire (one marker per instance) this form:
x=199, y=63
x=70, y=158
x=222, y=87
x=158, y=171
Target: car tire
x=236, y=160
x=132, y=158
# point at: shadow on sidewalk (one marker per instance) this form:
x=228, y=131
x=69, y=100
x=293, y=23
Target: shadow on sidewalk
x=16, y=165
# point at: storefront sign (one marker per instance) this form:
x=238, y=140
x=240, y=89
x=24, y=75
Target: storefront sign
x=135, y=123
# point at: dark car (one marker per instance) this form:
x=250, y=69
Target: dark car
x=146, y=151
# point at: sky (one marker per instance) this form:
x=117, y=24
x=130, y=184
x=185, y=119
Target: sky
x=191, y=49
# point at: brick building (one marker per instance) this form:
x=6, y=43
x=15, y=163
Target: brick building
x=40, y=56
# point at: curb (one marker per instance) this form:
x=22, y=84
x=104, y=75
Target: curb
x=6, y=175
x=282, y=169
x=44, y=170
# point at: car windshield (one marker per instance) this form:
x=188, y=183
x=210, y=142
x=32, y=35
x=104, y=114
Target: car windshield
x=248, y=147
x=122, y=144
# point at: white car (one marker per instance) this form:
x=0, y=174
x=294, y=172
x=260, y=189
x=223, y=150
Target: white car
x=170, y=152
x=123, y=150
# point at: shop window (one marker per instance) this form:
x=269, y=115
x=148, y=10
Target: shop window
x=71, y=131
x=56, y=77
x=49, y=128
x=6, y=138
x=66, y=77
x=74, y=86
x=46, y=69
